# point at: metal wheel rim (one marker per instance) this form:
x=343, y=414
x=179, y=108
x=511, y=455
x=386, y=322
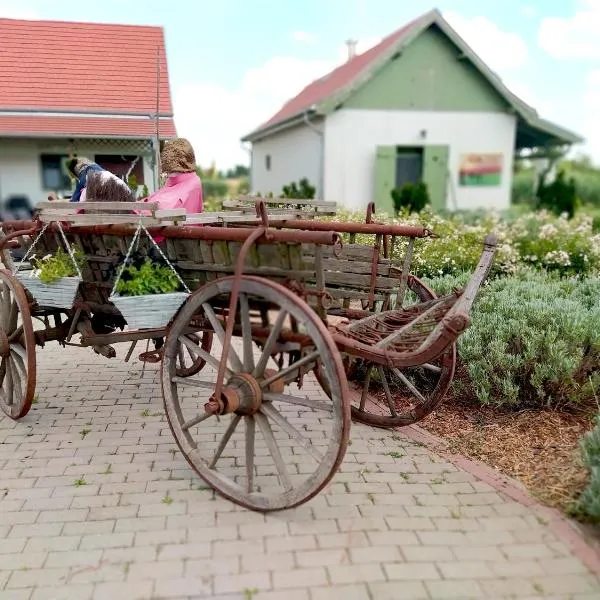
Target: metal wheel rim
x=20, y=364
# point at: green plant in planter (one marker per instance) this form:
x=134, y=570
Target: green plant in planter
x=53, y=267
x=145, y=278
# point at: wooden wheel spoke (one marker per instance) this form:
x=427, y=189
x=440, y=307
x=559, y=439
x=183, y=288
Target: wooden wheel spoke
x=430, y=367
x=2, y=371
x=313, y=356
x=268, y=347
x=8, y=380
x=250, y=437
x=210, y=385
x=248, y=353
x=218, y=329
x=19, y=358
x=409, y=384
x=181, y=357
x=6, y=303
x=224, y=440
x=16, y=334
x=388, y=393
x=197, y=419
x=16, y=381
x=299, y=401
x=365, y=389
x=13, y=318
x=272, y=413
x=267, y=432
x=196, y=350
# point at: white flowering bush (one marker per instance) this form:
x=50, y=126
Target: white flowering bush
x=539, y=240
x=534, y=340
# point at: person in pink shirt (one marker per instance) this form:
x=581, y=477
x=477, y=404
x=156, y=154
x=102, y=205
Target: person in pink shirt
x=183, y=188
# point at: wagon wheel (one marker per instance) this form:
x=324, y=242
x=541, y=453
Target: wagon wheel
x=290, y=445
x=386, y=397
x=17, y=348
x=189, y=363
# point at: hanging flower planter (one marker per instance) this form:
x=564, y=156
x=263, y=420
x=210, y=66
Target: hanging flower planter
x=147, y=295
x=54, y=279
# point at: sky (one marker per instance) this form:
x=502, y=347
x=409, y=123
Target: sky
x=234, y=63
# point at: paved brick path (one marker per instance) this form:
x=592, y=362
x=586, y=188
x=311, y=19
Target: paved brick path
x=97, y=502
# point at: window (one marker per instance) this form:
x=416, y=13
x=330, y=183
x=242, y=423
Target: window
x=268, y=162
x=120, y=165
x=54, y=172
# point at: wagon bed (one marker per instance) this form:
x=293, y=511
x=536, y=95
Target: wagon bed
x=270, y=307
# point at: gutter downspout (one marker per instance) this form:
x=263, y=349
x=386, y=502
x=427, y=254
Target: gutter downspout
x=248, y=149
x=319, y=132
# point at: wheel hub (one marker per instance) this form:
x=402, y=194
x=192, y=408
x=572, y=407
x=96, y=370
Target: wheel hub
x=4, y=345
x=242, y=395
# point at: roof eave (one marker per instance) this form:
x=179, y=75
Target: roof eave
x=79, y=136
x=280, y=126
x=558, y=134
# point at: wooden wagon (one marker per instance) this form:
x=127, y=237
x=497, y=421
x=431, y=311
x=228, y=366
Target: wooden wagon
x=286, y=331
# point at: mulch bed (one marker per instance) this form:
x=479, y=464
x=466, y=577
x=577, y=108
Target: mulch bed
x=540, y=448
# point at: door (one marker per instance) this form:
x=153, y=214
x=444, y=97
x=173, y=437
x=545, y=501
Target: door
x=409, y=166
x=384, y=178
x=435, y=174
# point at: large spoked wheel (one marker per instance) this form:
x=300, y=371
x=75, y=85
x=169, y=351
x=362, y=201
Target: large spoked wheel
x=264, y=443
x=17, y=349
x=189, y=363
x=385, y=397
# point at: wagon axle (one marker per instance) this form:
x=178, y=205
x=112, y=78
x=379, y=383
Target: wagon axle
x=243, y=394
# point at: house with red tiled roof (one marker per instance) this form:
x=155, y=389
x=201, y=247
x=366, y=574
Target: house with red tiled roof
x=419, y=106
x=83, y=89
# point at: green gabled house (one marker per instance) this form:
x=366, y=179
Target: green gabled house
x=421, y=105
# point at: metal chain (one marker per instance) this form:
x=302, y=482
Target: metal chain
x=30, y=249
x=139, y=229
x=123, y=265
x=167, y=261
x=69, y=249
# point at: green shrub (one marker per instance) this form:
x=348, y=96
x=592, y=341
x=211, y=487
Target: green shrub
x=588, y=503
x=303, y=190
x=559, y=197
x=534, y=340
x=410, y=197
x=214, y=187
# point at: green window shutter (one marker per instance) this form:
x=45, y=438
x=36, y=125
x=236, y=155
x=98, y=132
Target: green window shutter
x=384, y=178
x=435, y=174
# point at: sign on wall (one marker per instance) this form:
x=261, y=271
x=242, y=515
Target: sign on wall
x=480, y=170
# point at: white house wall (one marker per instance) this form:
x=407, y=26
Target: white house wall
x=21, y=170
x=295, y=153
x=352, y=137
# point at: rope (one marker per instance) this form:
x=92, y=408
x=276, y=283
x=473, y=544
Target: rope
x=135, y=239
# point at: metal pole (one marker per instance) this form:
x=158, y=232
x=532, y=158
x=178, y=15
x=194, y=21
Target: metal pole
x=157, y=124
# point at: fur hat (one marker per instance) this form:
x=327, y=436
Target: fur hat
x=178, y=156
x=104, y=186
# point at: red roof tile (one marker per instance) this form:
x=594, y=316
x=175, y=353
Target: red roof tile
x=336, y=80
x=82, y=66
x=32, y=125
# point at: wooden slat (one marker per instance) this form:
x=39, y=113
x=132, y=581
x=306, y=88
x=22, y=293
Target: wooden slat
x=105, y=219
x=57, y=204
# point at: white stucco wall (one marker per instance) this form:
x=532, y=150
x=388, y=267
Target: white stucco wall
x=21, y=170
x=352, y=137
x=295, y=153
